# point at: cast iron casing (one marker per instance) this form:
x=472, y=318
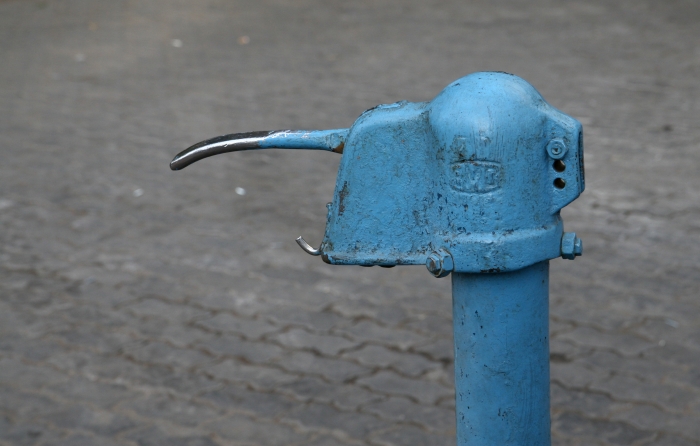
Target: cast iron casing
x=475, y=175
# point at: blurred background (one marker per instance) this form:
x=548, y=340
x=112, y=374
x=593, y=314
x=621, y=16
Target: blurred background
x=139, y=306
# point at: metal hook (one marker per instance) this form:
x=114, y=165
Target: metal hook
x=306, y=247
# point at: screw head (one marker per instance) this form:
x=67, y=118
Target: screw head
x=556, y=148
x=440, y=263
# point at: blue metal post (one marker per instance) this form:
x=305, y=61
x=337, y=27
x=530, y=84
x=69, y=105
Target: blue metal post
x=471, y=184
x=502, y=357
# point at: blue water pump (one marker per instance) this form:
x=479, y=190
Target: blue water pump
x=470, y=183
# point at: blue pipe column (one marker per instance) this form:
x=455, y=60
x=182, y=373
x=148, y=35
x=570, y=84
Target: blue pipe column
x=470, y=184
x=501, y=343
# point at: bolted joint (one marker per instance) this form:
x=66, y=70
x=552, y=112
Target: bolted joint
x=440, y=263
x=556, y=148
x=571, y=246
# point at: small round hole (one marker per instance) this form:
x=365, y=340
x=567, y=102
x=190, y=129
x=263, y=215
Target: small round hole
x=559, y=183
x=559, y=166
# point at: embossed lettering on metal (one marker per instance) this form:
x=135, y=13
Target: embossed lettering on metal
x=476, y=176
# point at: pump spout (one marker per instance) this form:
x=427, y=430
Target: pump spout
x=329, y=140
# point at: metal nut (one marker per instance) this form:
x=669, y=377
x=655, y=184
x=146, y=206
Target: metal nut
x=556, y=149
x=440, y=263
x=571, y=246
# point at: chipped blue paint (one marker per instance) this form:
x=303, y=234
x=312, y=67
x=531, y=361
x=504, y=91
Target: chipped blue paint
x=470, y=183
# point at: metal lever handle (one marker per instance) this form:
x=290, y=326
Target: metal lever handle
x=329, y=140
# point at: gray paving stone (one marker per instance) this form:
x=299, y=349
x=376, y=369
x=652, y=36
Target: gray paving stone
x=253, y=352
x=312, y=321
x=350, y=425
x=371, y=332
x=402, y=409
x=390, y=383
x=560, y=439
x=630, y=389
x=430, y=324
x=648, y=417
x=672, y=354
x=402, y=363
x=324, y=344
x=624, y=343
x=156, y=436
x=438, y=349
x=562, y=351
x=673, y=440
x=257, y=376
x=86, y=418
x=266, y=404
x=346, y=397
x=102, y=395
x=585, y=400
x=246, y=328
x=79, y=439
x=411, y=435
x=163, y=354
x=333, y=370
x=373, y=356
x=614, y=433
x=87, y=337
x=178, y=382
x=176, y=410
x=22, y=404
x=659, y=328
x=14, y=372
x=157, y=309
x=25, y=434
x=240, y=429
x=577, y=374
x=647, y=371
x=356, y=309
x=326, y=440
x=124, y=371
x=99, y=316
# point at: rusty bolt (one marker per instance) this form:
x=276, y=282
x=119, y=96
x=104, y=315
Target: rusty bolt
x=440, y=263
x=571, y=246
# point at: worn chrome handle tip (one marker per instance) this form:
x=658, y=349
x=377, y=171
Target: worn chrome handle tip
x=221, y=144
x=330, y=140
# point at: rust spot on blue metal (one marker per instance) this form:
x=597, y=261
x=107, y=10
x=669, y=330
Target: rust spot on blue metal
x=491, y=270
x=339, y=148
x=341, y=199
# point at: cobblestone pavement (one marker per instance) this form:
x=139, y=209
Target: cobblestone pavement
x=142, y=306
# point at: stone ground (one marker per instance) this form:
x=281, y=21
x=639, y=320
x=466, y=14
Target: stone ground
x=144, y=307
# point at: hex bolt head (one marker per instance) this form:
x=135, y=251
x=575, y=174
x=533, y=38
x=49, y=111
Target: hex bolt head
x=571, y=246
x=440, y=263
x=556, y=149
